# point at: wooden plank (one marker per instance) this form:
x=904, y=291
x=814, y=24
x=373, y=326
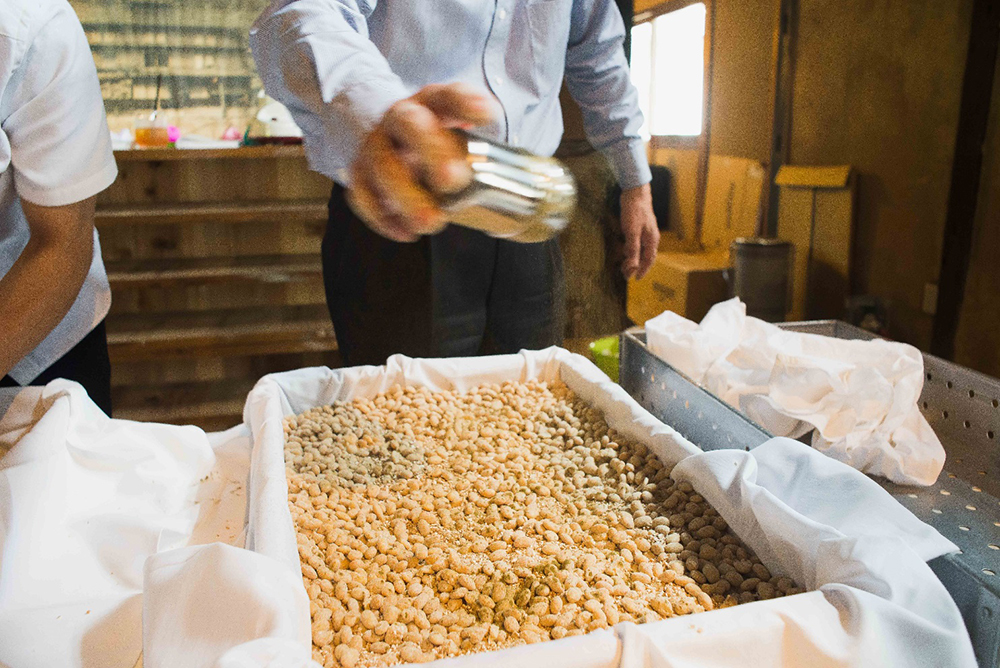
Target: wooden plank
x=158, y=325
x=149, y=299
x=161, y=395
x=266, y=268
x=239, y=180
x=206, y=240
x=782, y=80
x=215, y=369
x=266, y=343
x=243, y=152
x=198, y=403
x=645, y=10
x=311, y=210
x=963, y=196
x=804, y=176
x=233, y=332
x=706, y=116
x=210, y=416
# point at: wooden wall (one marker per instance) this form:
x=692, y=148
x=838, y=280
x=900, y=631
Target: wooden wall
x=877, y=85
x=741, y=79
x=213, y=260
x=977, y=344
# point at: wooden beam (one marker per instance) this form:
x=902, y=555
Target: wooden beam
x=267, y=211
x=963, y=196
x=646, y=10
x=243, y=152
x=782, y=82
x=705, y=143
x=265, y=269
x=223, y=333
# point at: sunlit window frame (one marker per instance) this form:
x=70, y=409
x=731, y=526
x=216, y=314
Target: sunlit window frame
x=646, y=11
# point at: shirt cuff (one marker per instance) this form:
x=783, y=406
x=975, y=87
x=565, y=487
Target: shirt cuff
x=629, y=163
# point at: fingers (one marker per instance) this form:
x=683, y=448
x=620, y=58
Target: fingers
x=632, y=248
x=363, y=201
x=386, y=196
x=433, y=153
x=411, y=157
x=650, y=245
x=456, y=105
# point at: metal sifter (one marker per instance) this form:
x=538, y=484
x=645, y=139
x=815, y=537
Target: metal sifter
x=514, y=194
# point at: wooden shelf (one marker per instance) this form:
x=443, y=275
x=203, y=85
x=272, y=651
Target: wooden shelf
x=159, y=372
x=219, y=403
x=290, y=329
x=265, y=211
x=241, y=153
x=210, y=416
x=264, y=269
x=214, y=259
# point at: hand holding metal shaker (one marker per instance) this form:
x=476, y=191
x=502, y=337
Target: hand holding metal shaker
x=514, y=194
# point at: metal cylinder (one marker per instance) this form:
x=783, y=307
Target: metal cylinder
x=514, y=194
x=760, y=276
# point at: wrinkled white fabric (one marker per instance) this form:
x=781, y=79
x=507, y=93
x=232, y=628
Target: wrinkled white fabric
x=202, y=602
x=859, y=397
x=807, y=515
x=84, y=500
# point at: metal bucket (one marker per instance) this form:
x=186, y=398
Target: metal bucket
x=760, y=276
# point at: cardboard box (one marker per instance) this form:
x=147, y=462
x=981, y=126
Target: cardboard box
x=686, y=283
x=732, y=201
x=816, y=214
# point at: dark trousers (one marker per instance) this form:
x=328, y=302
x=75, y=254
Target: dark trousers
x=87, y=363
x=458, y=293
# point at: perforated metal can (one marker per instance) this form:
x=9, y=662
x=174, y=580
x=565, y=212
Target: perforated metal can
x=514, y=194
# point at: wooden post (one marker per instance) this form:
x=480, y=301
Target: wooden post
x=782, y=80
x=973, y=119
x=705, y=140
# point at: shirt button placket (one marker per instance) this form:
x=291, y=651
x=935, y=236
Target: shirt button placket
x=493, y=61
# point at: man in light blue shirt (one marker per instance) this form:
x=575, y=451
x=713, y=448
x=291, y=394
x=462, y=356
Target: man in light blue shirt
x=376, y=85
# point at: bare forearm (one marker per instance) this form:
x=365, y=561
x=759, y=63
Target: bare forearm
x=42, y=285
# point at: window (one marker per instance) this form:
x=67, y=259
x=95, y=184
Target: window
x=668, y=70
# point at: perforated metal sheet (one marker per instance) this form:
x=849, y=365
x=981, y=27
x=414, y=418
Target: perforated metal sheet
x=962, y=505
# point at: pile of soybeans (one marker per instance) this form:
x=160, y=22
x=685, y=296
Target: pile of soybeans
x=431, y=525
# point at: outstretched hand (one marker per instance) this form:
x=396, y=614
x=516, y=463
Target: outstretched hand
x=411, y=158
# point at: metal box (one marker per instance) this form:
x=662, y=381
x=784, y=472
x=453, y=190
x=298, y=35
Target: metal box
x=962, y=406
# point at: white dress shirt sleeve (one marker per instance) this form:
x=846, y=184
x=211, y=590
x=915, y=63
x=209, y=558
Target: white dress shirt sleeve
x=315, y=57
x=60, y=147
x=597, y=76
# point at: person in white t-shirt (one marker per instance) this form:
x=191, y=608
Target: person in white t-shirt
x=55, y=157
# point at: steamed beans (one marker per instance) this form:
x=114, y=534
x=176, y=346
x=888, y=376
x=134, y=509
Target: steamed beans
x=436, y=524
